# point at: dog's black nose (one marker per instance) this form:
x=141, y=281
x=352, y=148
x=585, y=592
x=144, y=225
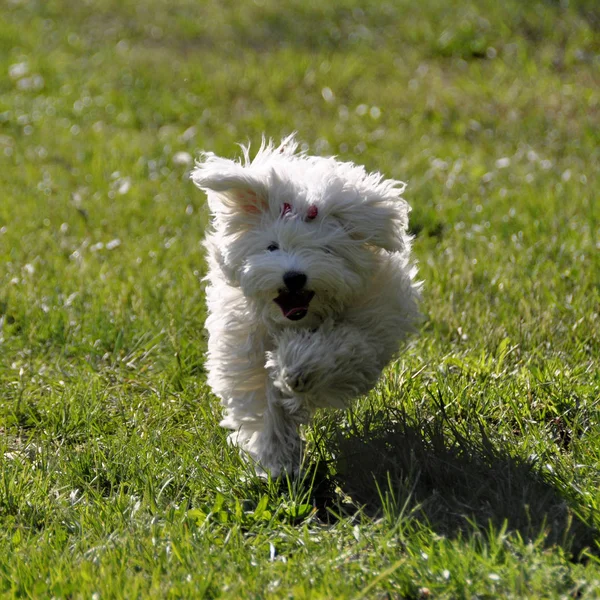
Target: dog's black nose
x=294, y=281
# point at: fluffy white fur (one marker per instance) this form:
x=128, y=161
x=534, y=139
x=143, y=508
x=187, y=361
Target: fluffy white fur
x=278, y=350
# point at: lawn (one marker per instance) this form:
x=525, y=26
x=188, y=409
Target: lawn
x=471, y=471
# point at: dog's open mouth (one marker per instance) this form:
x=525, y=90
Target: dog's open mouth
x=294, y=305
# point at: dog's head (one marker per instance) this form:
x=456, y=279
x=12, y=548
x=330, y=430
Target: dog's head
x=300, y=235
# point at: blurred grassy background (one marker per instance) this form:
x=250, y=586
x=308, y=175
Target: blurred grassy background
x=489, y=111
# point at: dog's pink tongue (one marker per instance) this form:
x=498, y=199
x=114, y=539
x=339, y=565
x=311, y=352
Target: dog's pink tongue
x=294, y=305
x=294, y=314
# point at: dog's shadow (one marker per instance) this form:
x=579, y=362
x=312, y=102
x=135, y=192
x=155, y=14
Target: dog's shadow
x=454, y=482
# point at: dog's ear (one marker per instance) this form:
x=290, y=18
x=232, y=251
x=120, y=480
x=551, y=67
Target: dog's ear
x=231, y=188
x=375, y=214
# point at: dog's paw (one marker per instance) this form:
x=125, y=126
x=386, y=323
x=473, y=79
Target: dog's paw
x=294, y=381
x=277, y=452
x=290, y=375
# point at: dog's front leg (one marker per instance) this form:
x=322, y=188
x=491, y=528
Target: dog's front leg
x=327, y=367
x=277, y=448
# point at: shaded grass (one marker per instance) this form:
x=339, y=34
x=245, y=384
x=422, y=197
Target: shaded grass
x=455, y=482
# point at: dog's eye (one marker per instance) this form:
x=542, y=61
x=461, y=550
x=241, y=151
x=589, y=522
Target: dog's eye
x=327, y=250
x=272, y=247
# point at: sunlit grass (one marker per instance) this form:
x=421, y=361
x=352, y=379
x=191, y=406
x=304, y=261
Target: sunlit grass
x=472, y=470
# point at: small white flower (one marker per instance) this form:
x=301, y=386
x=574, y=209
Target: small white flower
x=113, y=244
x=18, y=70
x=182, y=158
x=375, y=112
x=124, y=186
x=327, y=94
x=189, y=134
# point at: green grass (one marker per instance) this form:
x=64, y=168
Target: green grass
x=471, y=471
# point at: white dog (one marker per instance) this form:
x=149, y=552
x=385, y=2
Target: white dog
x=310, y=290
